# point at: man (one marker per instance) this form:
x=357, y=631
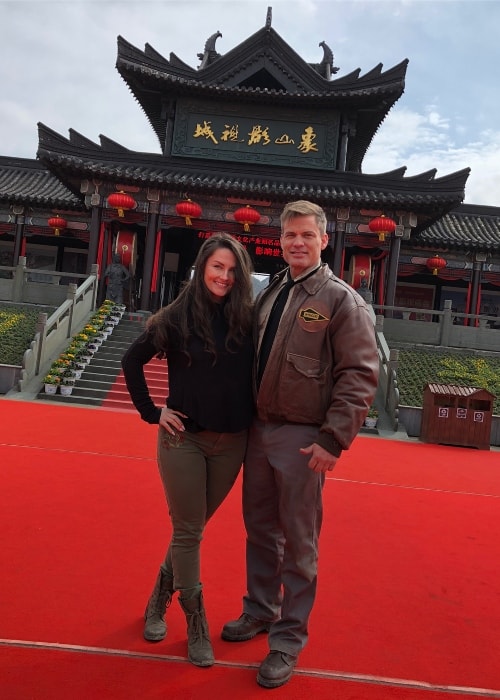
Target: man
x=316, y=375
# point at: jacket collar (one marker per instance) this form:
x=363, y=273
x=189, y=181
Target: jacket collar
x=313, y=282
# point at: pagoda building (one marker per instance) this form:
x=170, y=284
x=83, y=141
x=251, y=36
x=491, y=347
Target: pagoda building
x=240, y=135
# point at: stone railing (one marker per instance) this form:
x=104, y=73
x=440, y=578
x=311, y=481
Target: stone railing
x=387, y=398
x=53, y=333
x=445, y=328
x=24, y=285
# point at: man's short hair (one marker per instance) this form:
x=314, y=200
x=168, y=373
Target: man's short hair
x=303, y=207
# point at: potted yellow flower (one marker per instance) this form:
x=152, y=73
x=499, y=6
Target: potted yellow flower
x=371, y=417
x=51, y=382
x=68, y=382
x=59, y=365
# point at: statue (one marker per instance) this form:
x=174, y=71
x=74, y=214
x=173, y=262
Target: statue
x=364, y=292
x=117, y=274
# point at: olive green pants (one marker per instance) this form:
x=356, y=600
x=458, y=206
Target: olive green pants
x=197, y=471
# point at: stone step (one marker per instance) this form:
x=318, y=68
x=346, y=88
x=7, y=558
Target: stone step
x=102, y=382
x=107, y=370
x=153, y=382
x=158, y=395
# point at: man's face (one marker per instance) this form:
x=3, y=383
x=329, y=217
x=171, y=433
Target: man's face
x=302, y=243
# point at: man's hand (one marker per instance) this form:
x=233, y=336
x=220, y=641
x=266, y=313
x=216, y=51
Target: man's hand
x=321, y=460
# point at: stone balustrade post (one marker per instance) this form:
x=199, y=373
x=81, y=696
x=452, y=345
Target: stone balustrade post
x=19, y=279
x=446, y=324
x=94, y=271
x=70, y=296
x=40, y=332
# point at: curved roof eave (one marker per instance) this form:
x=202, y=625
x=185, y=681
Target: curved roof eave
x=153, y=80
x=140, y=77
x=465, y=227
x=255, y=51
x=27, y=181
x=150, y=78
x=374, y=100
x=431, y=196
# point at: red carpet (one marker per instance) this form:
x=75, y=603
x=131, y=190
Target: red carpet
x=408, y=602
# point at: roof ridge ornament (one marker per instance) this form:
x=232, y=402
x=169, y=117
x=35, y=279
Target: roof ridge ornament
x=210, y=54
x=326, y=67
x=269, y=17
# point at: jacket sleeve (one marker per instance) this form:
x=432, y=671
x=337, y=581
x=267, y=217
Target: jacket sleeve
x=355, y=377
x=138, y=354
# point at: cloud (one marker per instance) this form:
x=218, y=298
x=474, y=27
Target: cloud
x=421, y=142
x=57, y=61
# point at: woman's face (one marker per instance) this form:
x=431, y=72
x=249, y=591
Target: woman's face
x=220, y=272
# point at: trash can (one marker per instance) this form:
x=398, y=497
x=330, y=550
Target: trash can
x=457, y=415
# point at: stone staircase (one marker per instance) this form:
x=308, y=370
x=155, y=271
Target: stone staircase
x=102, y=383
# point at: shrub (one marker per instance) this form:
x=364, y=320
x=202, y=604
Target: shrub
x=17, y=330
x=417, y=368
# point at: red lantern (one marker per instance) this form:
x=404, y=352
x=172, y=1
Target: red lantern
x=121, y=202
x=246, y=216
x=57, y=223
x=189, y=210
x=435, y=264
x=382, y=226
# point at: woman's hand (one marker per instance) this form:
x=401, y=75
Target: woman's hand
x=170, y=420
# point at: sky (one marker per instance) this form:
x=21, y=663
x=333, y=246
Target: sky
x=57, y=66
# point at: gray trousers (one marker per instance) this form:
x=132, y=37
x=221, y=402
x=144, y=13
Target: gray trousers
x=197, y=471
x=282, y=509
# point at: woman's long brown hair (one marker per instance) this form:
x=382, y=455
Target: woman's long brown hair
x=193, y=309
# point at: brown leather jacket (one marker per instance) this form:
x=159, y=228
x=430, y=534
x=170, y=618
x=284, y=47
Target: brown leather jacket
x=323, y=367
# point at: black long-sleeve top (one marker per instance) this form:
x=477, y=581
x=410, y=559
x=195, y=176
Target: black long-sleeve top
x=215, y=396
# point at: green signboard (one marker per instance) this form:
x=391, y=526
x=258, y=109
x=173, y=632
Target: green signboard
x=248, y=134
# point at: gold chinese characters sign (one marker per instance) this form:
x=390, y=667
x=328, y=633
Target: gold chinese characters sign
x=262, y=136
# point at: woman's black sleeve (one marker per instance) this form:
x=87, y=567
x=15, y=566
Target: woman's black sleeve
x=138, y=354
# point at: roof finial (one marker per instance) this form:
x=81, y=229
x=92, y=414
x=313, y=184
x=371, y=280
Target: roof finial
x=269, y=17
x=210, y=54
x=326, y=67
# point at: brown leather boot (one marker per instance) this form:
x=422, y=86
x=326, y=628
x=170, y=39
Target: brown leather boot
x=200, y=651
x=155, y=628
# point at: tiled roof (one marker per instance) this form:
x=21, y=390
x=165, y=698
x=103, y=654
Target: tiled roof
x=36, y=183
x=293, y=82
x=465, y=227
x=29, y=182
x=224, y=75
x=424, y=194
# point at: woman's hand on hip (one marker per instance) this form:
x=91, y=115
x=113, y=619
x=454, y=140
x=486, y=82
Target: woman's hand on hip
x=171, y=420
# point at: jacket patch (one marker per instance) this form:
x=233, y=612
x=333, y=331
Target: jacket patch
x=313, y=319
x=309, y=315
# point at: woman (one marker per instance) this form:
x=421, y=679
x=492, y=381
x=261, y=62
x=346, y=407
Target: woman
x=205, y=336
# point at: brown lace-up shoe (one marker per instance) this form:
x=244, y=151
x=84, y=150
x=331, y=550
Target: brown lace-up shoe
x=200, y=651
x=244, y=628
x=276, y=669
x=155, y=628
